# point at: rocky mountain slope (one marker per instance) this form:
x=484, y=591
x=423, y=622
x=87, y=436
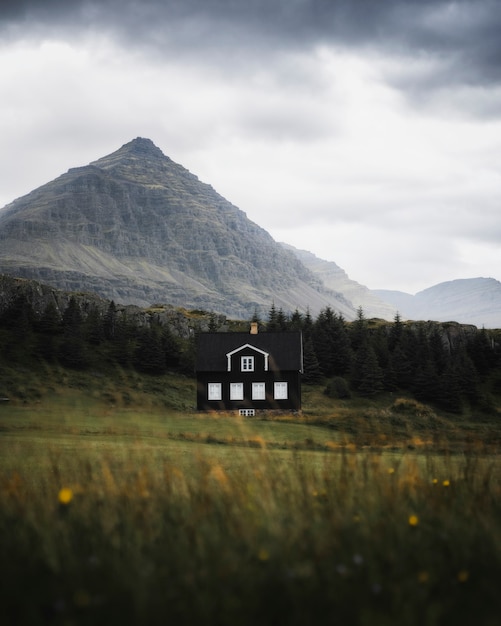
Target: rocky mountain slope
x=469, y=301
x=138, y=228
x=336, y=279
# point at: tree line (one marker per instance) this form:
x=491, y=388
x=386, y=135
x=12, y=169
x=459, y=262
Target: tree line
x=82, y=340
x=449, y=365
x=446, y=364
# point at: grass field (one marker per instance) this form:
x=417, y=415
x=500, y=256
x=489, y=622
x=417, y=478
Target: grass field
x=119, y=504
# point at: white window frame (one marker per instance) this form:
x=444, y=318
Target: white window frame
x=281, y=390
x=214, y=391
x=258, y=391
x=247, y=363
x=236, y=391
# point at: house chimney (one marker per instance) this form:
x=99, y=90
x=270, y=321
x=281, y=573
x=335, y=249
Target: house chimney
x=253, y=328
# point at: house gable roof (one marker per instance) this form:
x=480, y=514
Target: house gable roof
x=250, y=347
x=284, y=349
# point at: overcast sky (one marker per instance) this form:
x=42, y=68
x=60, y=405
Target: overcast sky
x=365, y=131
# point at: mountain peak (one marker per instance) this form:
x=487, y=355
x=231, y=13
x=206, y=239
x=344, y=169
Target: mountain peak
x=139, y=148
x=143, y=146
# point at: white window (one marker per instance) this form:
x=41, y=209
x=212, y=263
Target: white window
x=258, y=391
x=247, y=363
x=214, y=391
x=236, y=391
x=280, y=391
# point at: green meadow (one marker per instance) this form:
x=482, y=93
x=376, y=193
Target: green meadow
x=120, y=504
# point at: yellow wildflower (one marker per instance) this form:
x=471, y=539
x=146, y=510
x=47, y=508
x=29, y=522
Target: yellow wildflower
x=391, y=470
x=446, y=483
x=65, y=495
x=413, y=520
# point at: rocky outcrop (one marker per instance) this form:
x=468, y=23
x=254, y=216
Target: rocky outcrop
x=39, y=296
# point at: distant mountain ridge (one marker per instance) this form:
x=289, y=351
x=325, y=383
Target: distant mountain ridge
x=467, y=300
x=474, y=301
x=336, y=279
x=138, y=228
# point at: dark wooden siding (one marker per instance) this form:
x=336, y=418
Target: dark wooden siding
x=293, y=380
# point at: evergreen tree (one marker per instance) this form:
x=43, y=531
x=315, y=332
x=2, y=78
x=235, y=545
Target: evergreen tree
x=359, y=333
x=307, y=326
x=400, y=369
x=50, y=320
x=311, y=367
x=256, y=318
x=426, y=383
x=331, y=343
x=296, y=321
x=110, y=321
x=93, y=327
x=273, y=324
x=72, y=318
x=72, y=349
x=396, y=332
x=124, y=341
x=212, y=327
x=19, y=320
x=171, y=348
x=469, y=380
x=49, y=327
x=481, y=351
x=282, y=320
x=439, y=352
x=188, y=354
x=149, y=356
x=371, y=375
x=450, y=390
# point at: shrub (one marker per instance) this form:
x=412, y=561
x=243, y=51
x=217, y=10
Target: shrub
x=338, y=388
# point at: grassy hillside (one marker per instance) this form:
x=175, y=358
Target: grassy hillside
x=120, y=504
x=113, y=394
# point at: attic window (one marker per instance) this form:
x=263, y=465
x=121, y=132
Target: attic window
x=247, y=364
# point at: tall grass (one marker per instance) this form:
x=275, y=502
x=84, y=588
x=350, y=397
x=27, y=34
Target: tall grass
x=226, y=535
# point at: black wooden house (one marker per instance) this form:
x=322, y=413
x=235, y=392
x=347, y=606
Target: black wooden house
x=249, y=372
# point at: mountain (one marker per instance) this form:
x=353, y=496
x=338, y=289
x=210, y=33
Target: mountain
x=138, y=228
x=336, y=279
x=474, y=301
x=468, y=301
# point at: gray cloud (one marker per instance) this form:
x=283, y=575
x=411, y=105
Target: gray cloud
x=464, y=33
x=355, y=128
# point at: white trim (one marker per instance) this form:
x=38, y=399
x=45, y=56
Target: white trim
x=248, y=345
